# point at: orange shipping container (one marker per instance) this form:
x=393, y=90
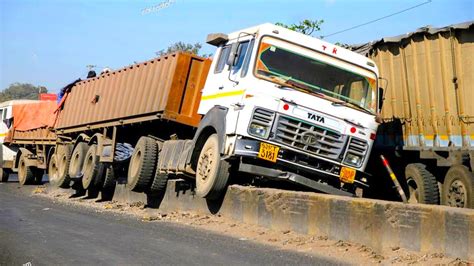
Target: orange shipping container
x=32, y=122
x=168, y=87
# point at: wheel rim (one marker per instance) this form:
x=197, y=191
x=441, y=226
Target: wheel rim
x=62, y=165
x=53, y=171
x=457, y=196
x=87, y=170
x=22, y=172
x=136, y=163
x=206, y=164
x=74, y=163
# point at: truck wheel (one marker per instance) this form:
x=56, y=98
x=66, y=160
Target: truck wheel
x=108, y=187
x=458, y=187
x=142, y=165
x=422, y=185
x=25, y=173
x=212, y=173
x=159, y=183
x=38, y=173
x=4, y=175
x=92, y=169
x=53, y=171
x=77, y=160
x=63, y=159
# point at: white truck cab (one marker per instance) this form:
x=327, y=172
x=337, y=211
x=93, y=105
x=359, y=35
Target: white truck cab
x=297, y=108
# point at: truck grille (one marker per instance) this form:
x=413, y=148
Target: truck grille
x=323, y=142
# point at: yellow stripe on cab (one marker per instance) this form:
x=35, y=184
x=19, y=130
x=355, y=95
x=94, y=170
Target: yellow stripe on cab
x=223, y=94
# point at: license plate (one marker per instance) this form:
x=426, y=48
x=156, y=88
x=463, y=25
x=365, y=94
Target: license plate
x=268, y=152
x=347, y=175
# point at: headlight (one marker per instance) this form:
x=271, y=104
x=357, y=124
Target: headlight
x=261, y=123
x=353, y=159
x=258, y=130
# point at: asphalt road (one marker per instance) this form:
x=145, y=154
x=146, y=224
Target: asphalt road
x=36, y=230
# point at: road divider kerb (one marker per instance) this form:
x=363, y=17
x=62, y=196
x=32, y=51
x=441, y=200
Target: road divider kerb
x=374, y=223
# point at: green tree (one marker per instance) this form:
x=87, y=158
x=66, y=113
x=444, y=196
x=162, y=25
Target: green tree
x=181, y=46
x=21, y=91
x=307, y=27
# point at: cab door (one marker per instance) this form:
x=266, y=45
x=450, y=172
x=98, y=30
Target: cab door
x=222, y=86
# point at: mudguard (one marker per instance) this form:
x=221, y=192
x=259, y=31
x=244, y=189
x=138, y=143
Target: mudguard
x=213, y=121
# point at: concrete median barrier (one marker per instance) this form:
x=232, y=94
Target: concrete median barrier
x=374, y=223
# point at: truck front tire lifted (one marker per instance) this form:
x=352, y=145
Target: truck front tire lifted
x=212, y=173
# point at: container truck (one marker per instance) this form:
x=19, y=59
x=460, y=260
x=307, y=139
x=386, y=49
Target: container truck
x=428, y=118
x=273, y=103
x=26, y=139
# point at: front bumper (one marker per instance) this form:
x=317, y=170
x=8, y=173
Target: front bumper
x=293, y=162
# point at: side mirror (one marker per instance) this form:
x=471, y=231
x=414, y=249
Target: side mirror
x=233, y=54
x=380, y=99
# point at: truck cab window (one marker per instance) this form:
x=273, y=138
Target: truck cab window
x=245, y=66
x=242, y=51
x=224, y=54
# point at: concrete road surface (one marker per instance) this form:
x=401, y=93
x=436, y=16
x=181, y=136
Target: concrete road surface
x=38, y=231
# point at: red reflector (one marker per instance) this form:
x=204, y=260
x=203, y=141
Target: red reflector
x=353, y=130
x=286, y=107
x=372, y=136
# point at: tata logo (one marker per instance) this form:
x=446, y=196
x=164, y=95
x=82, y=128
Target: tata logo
x=316, y=117
x=309, y=138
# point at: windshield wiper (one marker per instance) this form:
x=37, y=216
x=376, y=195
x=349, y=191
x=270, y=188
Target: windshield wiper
x=301, y=87
x=344, y=103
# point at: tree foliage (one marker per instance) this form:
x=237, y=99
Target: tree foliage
x=181, y=46
x=21, y=91
x=307, y=27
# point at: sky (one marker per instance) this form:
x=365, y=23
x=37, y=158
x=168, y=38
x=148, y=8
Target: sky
x=50, y=42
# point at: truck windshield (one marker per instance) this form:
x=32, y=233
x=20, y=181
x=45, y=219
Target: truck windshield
x=304, y=69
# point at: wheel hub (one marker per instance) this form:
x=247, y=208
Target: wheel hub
x=457, y=194
x=206, y=164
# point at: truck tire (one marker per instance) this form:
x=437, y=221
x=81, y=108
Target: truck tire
x=53, y=173
x=458, y=187
x=92, y=169
x=212, y=173
x=4, y=175
x=109, y=184
x=77, y=159
x=63, y=159
x=38, y=173
x=159, y=183
x=142, y=165
x=26, y=175
x=422, y=185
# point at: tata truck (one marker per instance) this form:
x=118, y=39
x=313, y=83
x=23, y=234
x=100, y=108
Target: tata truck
x=273, y=103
